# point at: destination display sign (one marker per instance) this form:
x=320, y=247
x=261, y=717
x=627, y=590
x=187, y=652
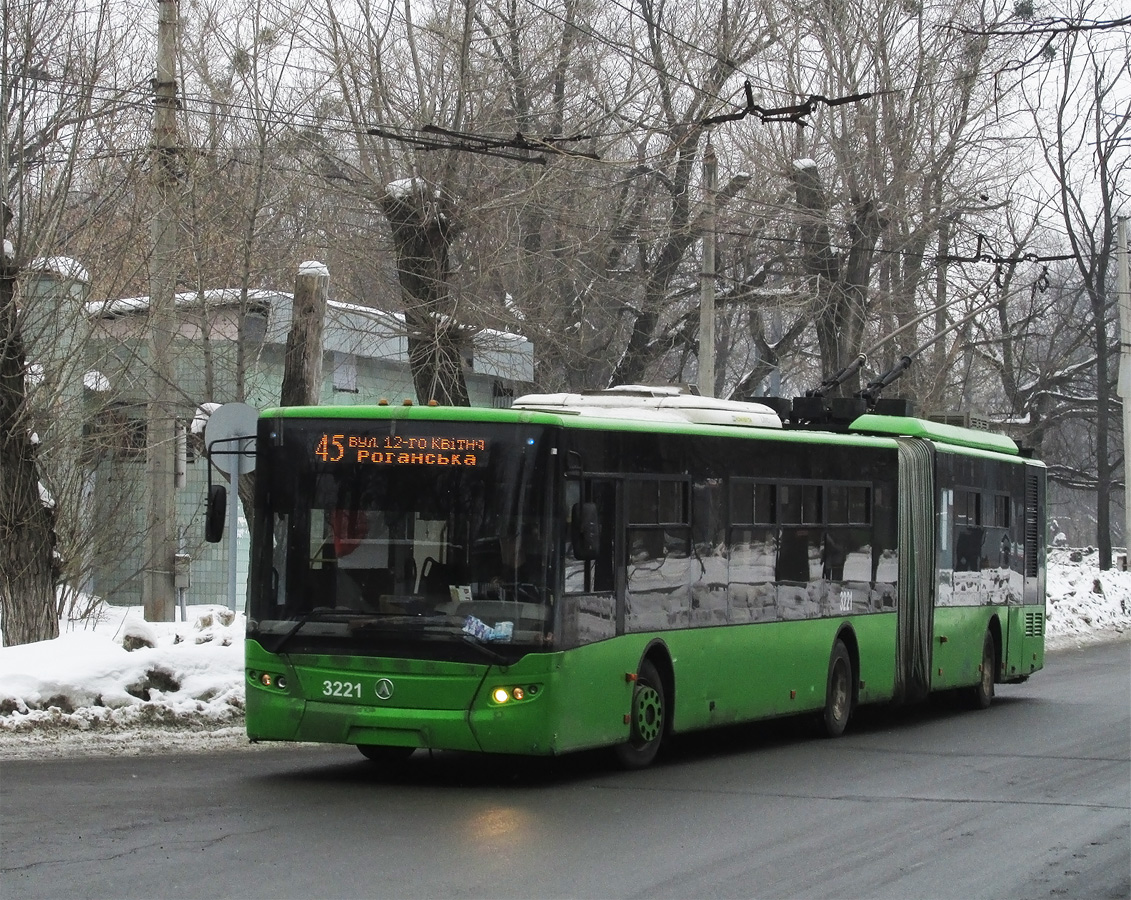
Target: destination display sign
x=401, y=450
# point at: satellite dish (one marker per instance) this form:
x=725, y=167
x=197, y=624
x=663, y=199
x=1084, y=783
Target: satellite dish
x=229, y=437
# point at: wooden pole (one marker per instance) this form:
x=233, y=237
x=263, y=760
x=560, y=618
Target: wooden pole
x=302, y=366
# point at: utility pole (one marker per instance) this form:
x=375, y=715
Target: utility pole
x=1124, y=291
x=707, y=282
x=158, y=591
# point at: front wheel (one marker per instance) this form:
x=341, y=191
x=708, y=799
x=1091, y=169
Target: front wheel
x=981, y=695
x=647, y=719
x=838, y=691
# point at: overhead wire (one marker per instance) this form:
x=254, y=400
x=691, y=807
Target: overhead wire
x=348, y=128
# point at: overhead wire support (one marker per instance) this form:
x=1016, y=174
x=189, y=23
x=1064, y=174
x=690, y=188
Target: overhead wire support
x=518, y=142
x=446, y=139
x=982, y=257
x=424, y=144
x=795, y=113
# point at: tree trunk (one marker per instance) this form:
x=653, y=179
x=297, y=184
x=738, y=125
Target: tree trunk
x=1103, y=428
x=27, y=535
x=302, y=366
x=840, y=302
x=422, y=232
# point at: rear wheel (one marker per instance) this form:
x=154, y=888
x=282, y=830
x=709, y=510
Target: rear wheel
x=647, y=719
x=838, y=691
x=981, y=695
x=384, y=754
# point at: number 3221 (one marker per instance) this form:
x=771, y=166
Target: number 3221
x=341, y=689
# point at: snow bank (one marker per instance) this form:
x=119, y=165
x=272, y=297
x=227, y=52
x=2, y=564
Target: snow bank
x=1085, y=605
x=116, y=671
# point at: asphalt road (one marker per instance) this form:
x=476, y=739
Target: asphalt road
x=1029, y=799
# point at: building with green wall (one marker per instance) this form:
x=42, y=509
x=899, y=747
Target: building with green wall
x=229, y=346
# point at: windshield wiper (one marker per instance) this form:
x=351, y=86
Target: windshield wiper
x=497, y=658
x=318, y=612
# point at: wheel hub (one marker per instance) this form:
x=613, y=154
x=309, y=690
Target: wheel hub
x=649, y=713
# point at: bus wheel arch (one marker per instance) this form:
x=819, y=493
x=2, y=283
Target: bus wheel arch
x=842, y=685
x=650, y=711
x=994, y=629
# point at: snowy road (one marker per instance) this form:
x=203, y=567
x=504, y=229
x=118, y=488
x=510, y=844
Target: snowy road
x=1029, y=799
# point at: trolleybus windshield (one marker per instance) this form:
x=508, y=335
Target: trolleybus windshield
x=380, y=536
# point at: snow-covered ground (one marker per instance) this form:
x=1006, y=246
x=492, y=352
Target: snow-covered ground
x=180, y=687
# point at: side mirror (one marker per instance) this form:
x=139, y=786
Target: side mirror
x=215, y=514
x=585, y=530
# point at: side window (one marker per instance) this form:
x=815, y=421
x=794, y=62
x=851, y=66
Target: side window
x=752, y=550
x=656, y=514
x=968, y=530
x=818, y=527
x=658, y=549
x=586, y=576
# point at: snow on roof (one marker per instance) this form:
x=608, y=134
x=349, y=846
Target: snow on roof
x=350, y=328
x=62, y=266
x=221, y=297
x=312, y=267
x=96, y=381
x=402, y=187
x=201, y=418
x=392, y=319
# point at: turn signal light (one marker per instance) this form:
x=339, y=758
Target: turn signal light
x=268, y=680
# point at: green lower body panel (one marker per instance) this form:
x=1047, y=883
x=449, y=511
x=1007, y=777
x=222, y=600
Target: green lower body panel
x=550, y=703
x=543, y=704
x=959, y=633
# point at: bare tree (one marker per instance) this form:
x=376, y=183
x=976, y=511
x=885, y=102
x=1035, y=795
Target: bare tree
x=61, y=84
x=1082, y=123
x=879, y=180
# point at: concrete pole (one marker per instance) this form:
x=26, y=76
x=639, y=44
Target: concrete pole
x=707, y=282
x=158, y=585
x=1122, y=276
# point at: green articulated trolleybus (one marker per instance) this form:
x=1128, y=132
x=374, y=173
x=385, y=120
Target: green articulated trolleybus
x=609, y=569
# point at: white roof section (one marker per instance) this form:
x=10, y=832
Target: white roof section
x=96, y=381
x=201, y=418
x=131, y=306
x=62, y=267
x=313, y=267
x=642, y=402
x=364, y=331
